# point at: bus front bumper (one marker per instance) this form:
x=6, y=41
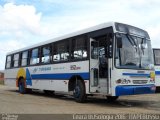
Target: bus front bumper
x=136, y=89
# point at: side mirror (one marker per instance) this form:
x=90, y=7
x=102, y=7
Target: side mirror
x=119, y=42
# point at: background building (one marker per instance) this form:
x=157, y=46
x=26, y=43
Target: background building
x=1, y=77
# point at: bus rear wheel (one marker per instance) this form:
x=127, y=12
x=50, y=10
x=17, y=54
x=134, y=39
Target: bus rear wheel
x=21, y=85
x=112, y=98
x=79, y=92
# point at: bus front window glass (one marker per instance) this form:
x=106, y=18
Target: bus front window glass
x=34, y=57
x=146, y=54
x=133, y=53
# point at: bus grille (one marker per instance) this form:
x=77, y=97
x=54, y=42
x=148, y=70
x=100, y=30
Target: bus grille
x=140, y=81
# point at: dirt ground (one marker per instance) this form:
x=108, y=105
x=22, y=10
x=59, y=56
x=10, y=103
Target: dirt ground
x=38, y=103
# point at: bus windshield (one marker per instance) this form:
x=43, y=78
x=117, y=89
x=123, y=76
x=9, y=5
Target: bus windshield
x=134, y=52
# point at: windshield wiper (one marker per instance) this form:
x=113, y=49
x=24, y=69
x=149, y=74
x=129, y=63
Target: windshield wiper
x=131, y=40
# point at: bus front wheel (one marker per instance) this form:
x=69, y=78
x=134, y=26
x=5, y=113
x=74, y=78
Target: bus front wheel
x=79, y=92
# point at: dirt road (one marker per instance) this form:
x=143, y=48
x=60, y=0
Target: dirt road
x=38, y=103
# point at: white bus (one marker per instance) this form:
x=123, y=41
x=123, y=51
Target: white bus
x=111, y=59
x=156, y=54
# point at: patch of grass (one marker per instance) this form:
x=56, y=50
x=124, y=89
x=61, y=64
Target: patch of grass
x=1, y=82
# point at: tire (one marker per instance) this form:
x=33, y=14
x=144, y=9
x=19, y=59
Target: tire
x=21, y=85
x=79, y=92
x=112, y=98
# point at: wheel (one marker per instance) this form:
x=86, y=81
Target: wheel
x=79, y=92
x=21, y=85
x=112, y=98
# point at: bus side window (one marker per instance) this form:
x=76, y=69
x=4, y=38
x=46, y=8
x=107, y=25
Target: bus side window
x=34, y=56
x=157, y=56
x=15, y=60
x=46, y=52
x=8, y=62
x=79, y=48
x=24, y=58
x=61, y=51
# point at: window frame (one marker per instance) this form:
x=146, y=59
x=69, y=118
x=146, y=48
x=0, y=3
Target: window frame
x=13, y=60
x=54, y=51
x=24, y=58
x=30, y=56
x=155, y=57
x=86, y=45
x=50, y=45
x=8, y=61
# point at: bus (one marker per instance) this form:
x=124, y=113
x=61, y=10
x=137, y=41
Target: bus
x=156, y=54
x=111, y=59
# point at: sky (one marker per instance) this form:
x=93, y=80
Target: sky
x=27, y=22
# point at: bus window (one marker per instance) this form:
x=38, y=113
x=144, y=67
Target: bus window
x=79, y=48
x=24, y=58
x=61, y=51
x=16, y=60
x=8, y=64
x=94, y=50
x=34, y=57
x=46, y=54
x=157, y=56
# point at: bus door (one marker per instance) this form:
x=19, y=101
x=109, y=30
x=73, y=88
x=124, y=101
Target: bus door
x=94, y=65
x=100, y=64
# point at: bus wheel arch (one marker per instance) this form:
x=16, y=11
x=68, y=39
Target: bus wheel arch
x=77, y=85
x=72, y=82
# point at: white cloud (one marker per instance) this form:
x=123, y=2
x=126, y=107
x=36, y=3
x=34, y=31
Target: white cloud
x=25, y=25
x=22, y=17
x=85, y=13
x=18, y=26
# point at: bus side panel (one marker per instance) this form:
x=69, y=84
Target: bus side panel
x=10, y=77
x=49, y=77
x=56, y=76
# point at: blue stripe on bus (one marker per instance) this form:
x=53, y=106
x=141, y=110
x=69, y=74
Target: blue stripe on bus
x=157, y=72
x=62, y=76
x=136, y=74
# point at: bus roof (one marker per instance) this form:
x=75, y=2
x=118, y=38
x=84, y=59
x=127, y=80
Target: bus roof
x=94, y=28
